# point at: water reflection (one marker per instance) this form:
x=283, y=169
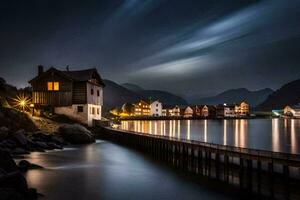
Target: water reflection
x=225, y=132
x=269, y=134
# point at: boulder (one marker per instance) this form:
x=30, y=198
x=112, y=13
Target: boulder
x=10, y=194
x=76, y=134
x=24, y=165
x=3, y=132
x=20, y=137
x=7, y=163
x=19, y=151
x=14, y=180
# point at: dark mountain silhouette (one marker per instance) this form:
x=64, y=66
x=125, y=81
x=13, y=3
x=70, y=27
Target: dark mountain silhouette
x=165, y=97
x=116, y=95
x=235, y=96
x=288, y=94
x=132, y=87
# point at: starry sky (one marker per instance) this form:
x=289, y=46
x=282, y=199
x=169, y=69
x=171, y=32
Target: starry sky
x=192, y=48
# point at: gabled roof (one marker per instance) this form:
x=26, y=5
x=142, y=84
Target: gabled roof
x=79, y=75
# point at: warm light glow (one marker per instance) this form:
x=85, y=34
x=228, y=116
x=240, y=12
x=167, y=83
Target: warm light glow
x=21, y=102
x=56, y=86
x=50, y=86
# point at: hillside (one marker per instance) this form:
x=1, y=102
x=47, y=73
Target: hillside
x=288, y=94
x=165, y=97
x=236, y=95
x=116, y=95
x=132, y=87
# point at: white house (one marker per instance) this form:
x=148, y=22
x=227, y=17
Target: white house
x=156, y=108
x=292, y=111
x=188, y=112
x=76, y=94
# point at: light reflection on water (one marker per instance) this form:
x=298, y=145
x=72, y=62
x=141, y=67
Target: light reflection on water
x=280, y=135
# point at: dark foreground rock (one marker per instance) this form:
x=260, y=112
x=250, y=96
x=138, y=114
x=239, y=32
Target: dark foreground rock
x=76, y=134
x=24, y=166
x=13, y=185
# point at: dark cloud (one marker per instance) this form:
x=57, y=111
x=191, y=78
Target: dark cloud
x=192, y=48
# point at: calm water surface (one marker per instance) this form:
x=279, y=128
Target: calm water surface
x=109, y=171
x=279, y=135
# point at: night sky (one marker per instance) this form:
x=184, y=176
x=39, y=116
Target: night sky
x=192, y=48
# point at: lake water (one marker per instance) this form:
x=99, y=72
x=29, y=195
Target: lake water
x=278, y=135
x=108, y=171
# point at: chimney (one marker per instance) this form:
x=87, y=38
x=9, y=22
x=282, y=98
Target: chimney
x=40, y=69
x=67, y=68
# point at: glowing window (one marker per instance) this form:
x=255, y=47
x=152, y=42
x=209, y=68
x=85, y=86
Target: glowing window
x=56, y=86
x=50, y=86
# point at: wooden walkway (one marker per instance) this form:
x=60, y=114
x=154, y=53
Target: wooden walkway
x=250, y=169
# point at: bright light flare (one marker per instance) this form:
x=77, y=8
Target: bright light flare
x=21, y=102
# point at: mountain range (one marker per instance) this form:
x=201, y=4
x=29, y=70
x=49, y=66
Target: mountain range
x=254, y=98
x=288, y=94
x=116, y=95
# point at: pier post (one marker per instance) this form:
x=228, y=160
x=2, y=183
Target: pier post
x=249, y=175
x=241, y=172
x=259, y=170
x=217, y=165
x=271, y=178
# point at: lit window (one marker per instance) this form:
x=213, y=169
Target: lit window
x=98, y=111
x=56, y=86
x=50, y=86
x=93, y=110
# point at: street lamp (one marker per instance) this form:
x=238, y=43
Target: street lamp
x=32, y=107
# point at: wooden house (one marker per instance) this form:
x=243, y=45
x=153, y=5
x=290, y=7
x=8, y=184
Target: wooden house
x=156, y=108
x=142, y=108
x=292, y=111
x=76, y=94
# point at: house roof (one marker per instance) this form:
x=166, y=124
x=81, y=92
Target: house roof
x=79, y=75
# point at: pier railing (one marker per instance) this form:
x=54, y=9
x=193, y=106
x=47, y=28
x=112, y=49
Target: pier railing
x=292, y=159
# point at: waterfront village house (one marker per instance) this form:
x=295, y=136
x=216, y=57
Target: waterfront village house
x=188, y=112
x=242, y=109
x=224, y=110
x=142, y=108
x=156, y=108
x=177, y=111
x=205, y=111
x=76, y=94
x=292, y=111
x=167, y=111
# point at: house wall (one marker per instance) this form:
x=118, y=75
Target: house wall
x=72, y=112
x=156, y=108
x=188, y=112
x=94, y=113
x=94, y=98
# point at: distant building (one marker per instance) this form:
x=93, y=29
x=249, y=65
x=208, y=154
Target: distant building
x=167, y=111
x=142, y=108
x=204, y=111
x=242, y=109
x=188, y=112
x=176, y=111
x=156, y=108
x=76, y=94
x=292, y=111
x=224, y=110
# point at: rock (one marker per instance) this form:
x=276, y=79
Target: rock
x=20, y=137
x=58, y=140
x=7, y=163
x=3, y=133
x=19, y=151
x=14, y=180
x=10, y=194
x=42, y=145
x=24, y=165
x=76, y=134
x=54, y=146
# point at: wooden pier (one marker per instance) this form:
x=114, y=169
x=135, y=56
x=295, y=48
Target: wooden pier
x=263, y=172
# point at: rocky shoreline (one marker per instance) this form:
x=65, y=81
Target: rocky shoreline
x=15, y=144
